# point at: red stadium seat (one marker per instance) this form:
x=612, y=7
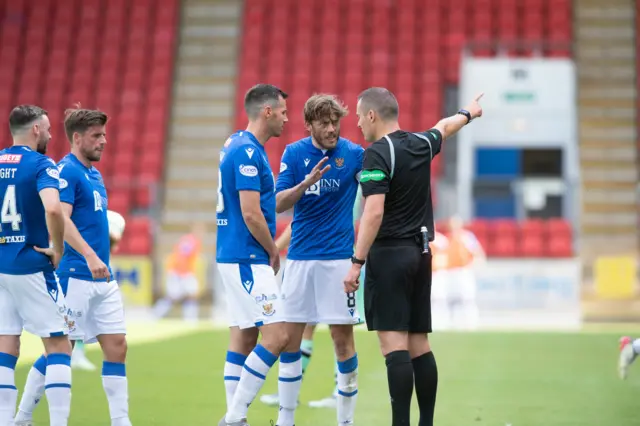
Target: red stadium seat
x=559, y=246
x=502, y=246
x=558, y=227
x=532, y=227
x=532, y=246
x=504, y=228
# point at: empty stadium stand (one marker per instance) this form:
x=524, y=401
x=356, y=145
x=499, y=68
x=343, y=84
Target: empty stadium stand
x=201, y=118
x=413, y=47
x=606, y=62
x=113, y=55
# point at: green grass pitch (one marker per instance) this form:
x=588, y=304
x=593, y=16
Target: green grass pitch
x=486, y=379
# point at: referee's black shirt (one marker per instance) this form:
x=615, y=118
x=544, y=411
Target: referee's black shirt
x=408, y=204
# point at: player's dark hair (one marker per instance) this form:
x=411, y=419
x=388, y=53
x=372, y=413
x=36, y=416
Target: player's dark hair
x=321, y=106
x=260, y=95
x=380, y=100
x=22, y=116
x=80, y=120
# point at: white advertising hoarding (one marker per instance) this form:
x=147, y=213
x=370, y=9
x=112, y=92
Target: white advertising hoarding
x=529, y=294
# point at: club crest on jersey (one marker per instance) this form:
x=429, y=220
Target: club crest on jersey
x=10, y=158
x=267, y=309
x=283, y=167
x=339, y=163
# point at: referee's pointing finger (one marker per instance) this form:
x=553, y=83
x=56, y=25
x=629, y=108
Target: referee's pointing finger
x=479, y=96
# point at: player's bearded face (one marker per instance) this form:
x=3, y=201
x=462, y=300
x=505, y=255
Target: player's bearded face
x=43, y=137
x=277, y=118
x=326, y=132
x=93, y=142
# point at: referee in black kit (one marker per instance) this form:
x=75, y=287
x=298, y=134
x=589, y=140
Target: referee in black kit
x=395, y=229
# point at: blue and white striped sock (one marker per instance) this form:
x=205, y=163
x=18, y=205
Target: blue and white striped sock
x=254, y=373
x=114, y=382
x=347, y=390
x=8, y=390
x=33, y=389
x=232, y=372
x=57, y=385
x=289, y=382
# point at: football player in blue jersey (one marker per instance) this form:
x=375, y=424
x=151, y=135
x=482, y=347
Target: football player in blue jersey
x=319, y=179
x=306, y=347
x=30, y=296
x=94, y=301
x=247, y=256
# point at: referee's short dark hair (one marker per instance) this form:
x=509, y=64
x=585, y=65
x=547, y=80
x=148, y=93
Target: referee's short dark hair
x=23, y=116
x=259, y=96
x=381, y=101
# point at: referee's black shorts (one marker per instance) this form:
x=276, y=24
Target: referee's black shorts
x=397, y=287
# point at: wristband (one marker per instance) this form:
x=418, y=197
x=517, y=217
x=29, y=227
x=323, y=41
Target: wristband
x=466, y=114
x=357, y=261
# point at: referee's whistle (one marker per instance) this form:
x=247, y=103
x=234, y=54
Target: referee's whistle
x=425, y=240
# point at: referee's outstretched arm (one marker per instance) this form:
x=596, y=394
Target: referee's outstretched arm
x=451, y=125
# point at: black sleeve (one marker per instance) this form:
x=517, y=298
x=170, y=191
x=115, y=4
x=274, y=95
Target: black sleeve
x=376, y=170
x=435, y=139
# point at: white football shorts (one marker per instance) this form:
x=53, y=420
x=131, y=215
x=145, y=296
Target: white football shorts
x=313, y=292
x=252, y=293
x=33, y=302
x=461, y=286
x=439, y=283
x=94, y=309
x=181, y=286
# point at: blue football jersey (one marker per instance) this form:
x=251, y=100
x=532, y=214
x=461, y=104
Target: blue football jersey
x=84, y=189
x=322, y=227
x=23, y=174
x=243, y=167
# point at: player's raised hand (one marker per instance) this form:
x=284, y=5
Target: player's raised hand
x=53, y=254
x=98, y=268
x=316, y=173
x=474, y=107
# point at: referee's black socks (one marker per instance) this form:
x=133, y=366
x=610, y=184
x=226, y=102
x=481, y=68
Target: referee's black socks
x=400, y=378
x=426, y=376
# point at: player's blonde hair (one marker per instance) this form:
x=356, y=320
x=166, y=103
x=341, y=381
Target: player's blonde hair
x=320, y=106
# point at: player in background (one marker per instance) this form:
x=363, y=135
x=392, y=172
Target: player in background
x=306, y=346
x=94, y=302
x=439, y=281
x=30, y=296
x=319, y=179
x=464, y=253
x=182, y=282
x=629, y=350
x=247, y=257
